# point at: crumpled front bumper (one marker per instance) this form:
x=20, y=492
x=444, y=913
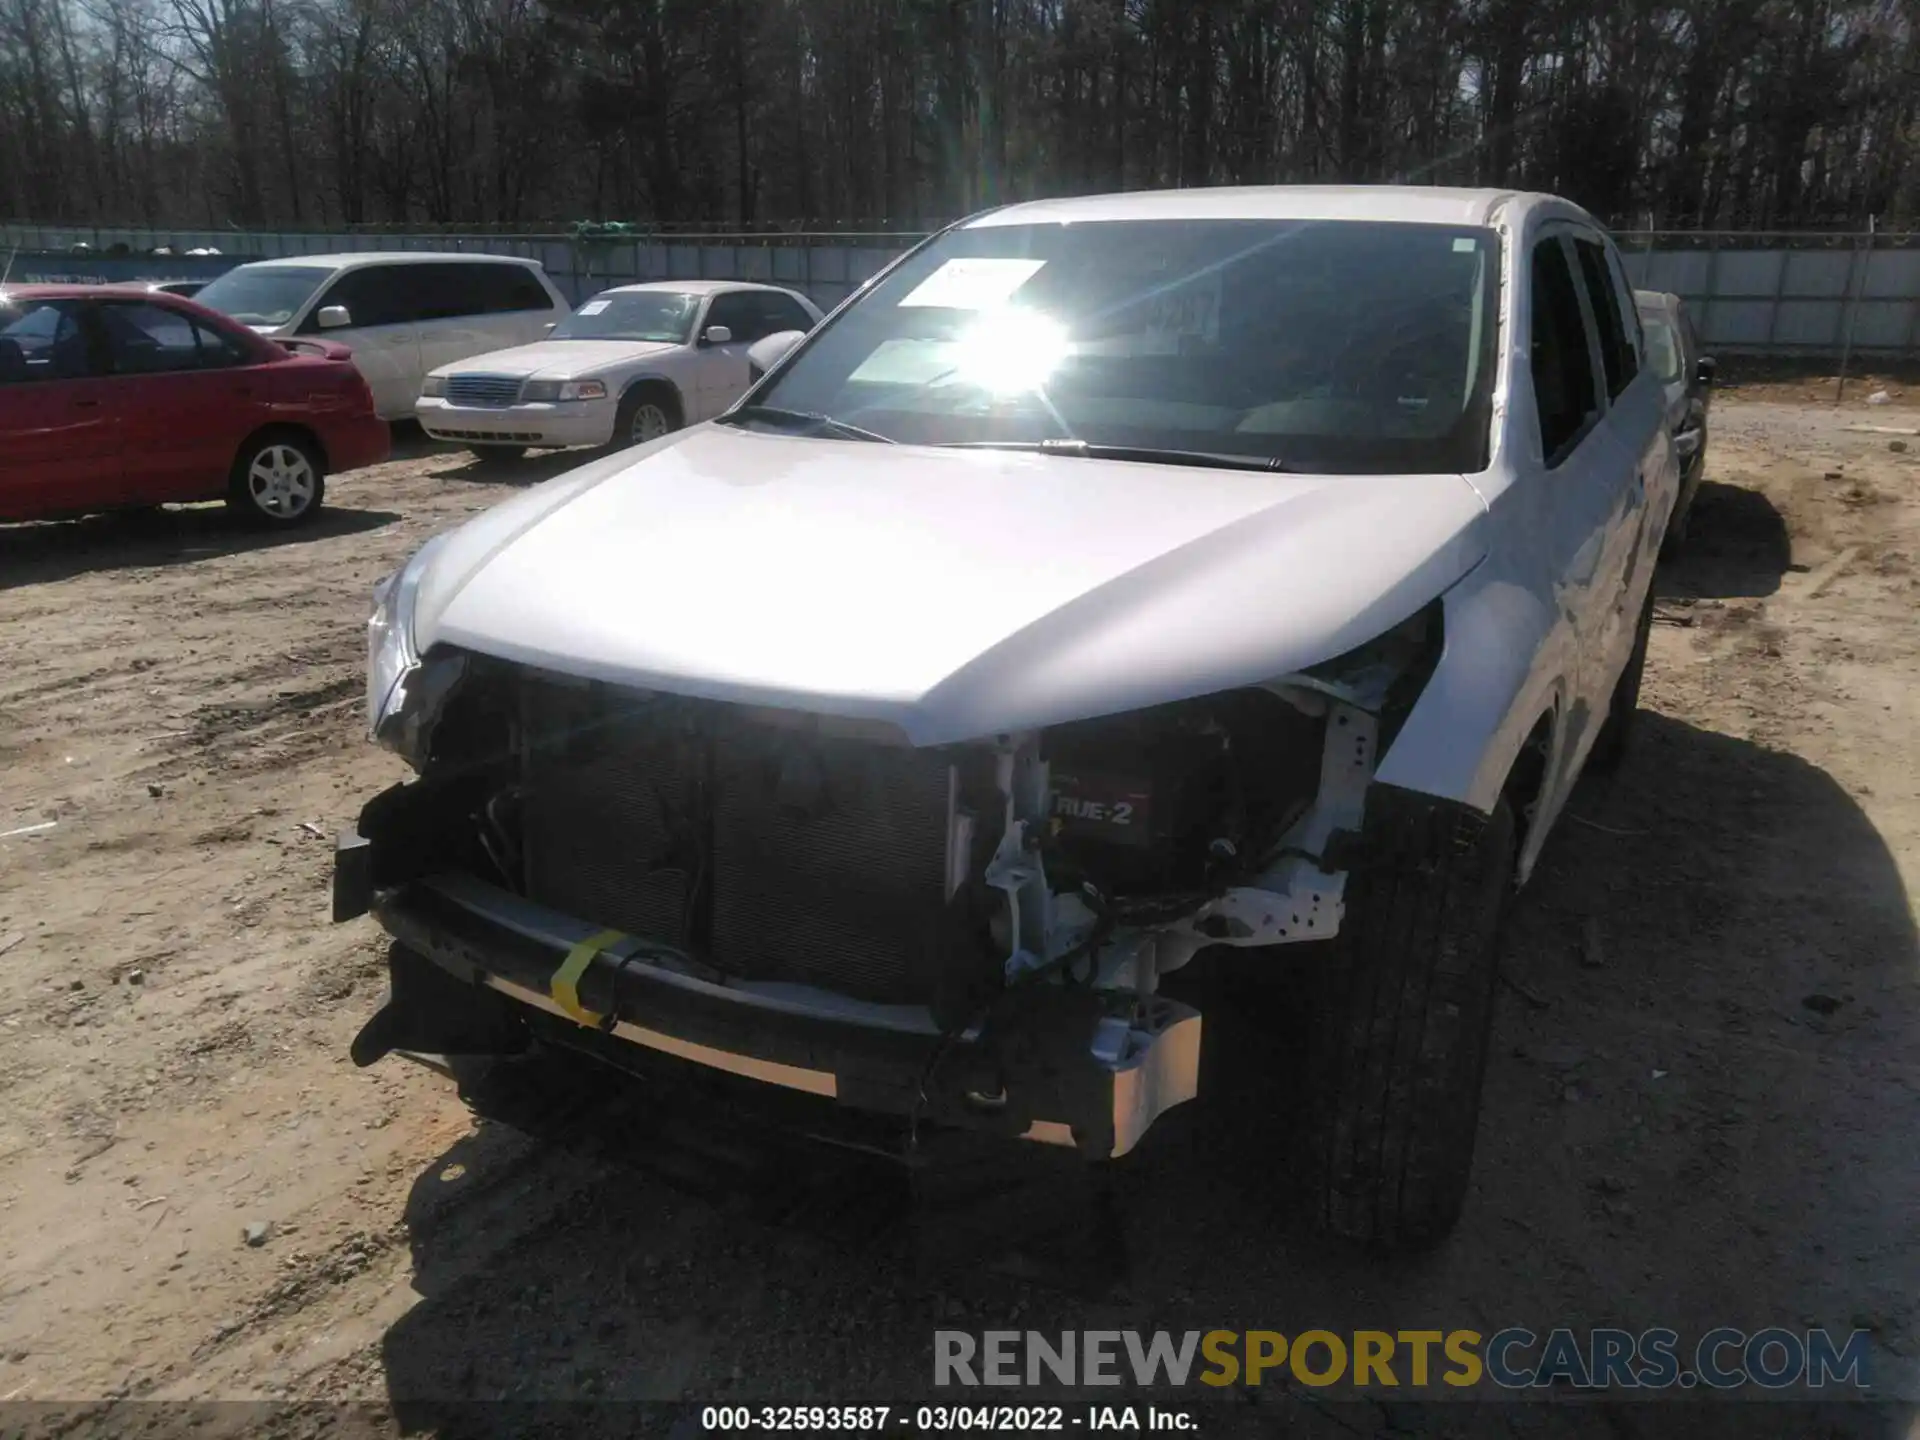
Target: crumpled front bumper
x=481, y=970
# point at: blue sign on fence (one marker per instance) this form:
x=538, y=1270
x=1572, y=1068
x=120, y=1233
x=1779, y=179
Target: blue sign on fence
x=44, y=267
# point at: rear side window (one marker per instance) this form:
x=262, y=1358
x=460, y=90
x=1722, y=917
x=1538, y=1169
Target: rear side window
x=453, y=290
x=372, y=295
x=783, y=312
x=146, y=339
x=447, y=291
x=1616, y=350
x=1563, y=381
x=44, y=340
x=508, y=288
x=737, y=311
x=1636, y=324
x=755, y=314
x=217, y=349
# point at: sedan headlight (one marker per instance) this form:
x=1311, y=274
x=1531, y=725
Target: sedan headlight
x=551, y=390
x=391, y=653
x=436, y=385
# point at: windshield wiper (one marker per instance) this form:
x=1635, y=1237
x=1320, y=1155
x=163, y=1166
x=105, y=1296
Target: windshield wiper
x=1085, y=450
x=809, y=422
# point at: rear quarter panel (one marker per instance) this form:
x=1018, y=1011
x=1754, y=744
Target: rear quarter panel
x=328, y=397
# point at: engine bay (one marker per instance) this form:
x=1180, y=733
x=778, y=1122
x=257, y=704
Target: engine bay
x=773, y=845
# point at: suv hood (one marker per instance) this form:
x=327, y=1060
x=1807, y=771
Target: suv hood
x=953, y=593
x=557, y=359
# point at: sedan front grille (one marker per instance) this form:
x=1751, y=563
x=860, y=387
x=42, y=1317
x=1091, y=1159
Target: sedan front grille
x=492, y=392
x=768, y=851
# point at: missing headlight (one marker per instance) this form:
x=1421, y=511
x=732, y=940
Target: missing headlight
x=1387, y=674
x=1176, y=797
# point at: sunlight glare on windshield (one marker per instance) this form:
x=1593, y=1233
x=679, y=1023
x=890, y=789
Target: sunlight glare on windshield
x=1010, y=350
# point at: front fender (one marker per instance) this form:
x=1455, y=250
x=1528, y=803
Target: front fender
x=1506, y=657
x=657, y=377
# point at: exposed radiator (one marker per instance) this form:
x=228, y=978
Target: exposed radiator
x=830, y=862
x=771, y=852
x=597, y=818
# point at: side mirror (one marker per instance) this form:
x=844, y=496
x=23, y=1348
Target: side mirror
x=1703, y=369
x=770, y=350
x=333, y=317
x=717, y=335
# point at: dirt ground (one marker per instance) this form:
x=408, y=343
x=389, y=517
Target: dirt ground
x=1702, y=1107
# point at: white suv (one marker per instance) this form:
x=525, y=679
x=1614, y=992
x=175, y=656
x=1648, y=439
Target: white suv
x=1112, y=579
x=401, y=313
x=628, y=366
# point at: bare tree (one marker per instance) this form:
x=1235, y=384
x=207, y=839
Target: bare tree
x=463, y=112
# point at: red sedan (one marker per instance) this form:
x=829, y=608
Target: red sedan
x=112, y=398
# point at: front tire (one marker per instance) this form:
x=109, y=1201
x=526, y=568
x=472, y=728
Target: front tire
x=1402, y=1017
x=646, y=413
x=277, y=480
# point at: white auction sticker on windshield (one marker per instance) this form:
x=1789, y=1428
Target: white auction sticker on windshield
x=973, y=284
x=594, y=307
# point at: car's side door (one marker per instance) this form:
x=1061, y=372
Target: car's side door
x=455, y=304
x=187, y=397
x=1581, y=479
x=723, y=368
x=59, y=430
x=380, y=331
x=1647, y=478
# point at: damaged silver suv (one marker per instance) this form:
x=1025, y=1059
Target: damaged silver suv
x=1108, y=579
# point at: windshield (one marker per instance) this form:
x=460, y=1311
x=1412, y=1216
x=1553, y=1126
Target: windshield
x=657, y=315
x=1341, y=346
x=1663, y=347
x=268, y=295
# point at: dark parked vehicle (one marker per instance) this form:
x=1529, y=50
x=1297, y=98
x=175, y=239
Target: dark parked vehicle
x=114, y=398
x=1673, y=350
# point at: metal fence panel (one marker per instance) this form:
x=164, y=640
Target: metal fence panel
x=1682, y=272
x=1820, y=273
x=1798, y=325
x=829, y=264
x=1749, y=272
x=1882, y=325
x=1749, y=292
x=1738, y=323
x=1893, y=275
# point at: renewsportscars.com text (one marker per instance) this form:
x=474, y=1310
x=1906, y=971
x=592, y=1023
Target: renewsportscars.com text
x=1512, y=1359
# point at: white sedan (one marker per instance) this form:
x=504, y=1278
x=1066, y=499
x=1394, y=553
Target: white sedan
x=629, y=365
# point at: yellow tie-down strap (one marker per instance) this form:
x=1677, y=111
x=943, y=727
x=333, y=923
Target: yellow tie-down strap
x=564, y=987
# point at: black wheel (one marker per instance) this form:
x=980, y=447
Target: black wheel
x=277, y=480
x=1616, y=731
x=498, y=454
x=1401, y=1017
x=646, y=413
